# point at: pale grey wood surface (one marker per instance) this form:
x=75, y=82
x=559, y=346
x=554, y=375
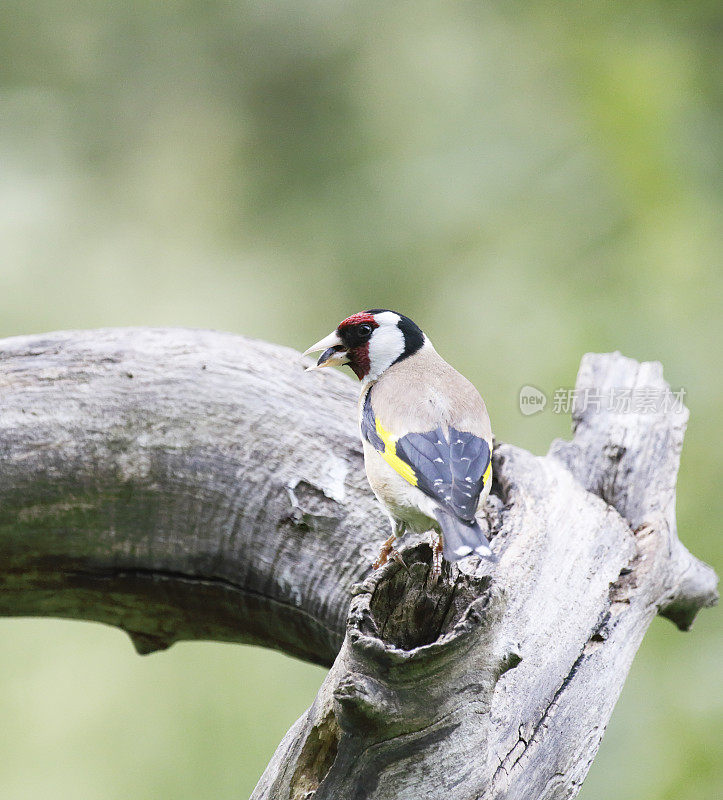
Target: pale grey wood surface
x=193, y=484
x=181, y=484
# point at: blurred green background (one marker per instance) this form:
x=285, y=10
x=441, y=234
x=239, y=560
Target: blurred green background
x=528, y=181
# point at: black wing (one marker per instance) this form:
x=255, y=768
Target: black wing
x=452, y=469
x=369, y=425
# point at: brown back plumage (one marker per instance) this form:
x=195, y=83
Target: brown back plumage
x=423, y=392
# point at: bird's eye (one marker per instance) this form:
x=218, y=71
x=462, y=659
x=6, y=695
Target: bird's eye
x=365, y=330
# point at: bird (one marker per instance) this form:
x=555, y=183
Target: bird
x=425, y=431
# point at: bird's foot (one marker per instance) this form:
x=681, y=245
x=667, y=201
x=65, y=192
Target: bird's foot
x=386, y=550
x=389, y=551
x=437, y=547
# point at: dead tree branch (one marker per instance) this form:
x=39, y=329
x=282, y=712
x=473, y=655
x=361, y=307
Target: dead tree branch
x=185, y=484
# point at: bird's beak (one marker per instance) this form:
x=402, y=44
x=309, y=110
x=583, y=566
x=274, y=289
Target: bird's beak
x=334, y=352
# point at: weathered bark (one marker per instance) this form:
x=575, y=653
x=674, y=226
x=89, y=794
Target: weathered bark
x=181, y=484
x=187, y=484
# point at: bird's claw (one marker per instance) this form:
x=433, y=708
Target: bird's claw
x=397, y=556
x=389, y=551
x=437, y=547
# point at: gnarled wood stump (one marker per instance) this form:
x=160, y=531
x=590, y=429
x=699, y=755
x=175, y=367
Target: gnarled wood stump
x=185, y=484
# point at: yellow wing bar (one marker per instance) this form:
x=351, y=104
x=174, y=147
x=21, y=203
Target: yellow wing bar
x=487, y=474
x=391, y=457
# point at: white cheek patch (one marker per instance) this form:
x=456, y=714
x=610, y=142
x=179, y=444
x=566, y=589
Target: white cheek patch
x=386, y=344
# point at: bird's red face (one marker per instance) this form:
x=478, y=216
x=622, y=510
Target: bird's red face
x=369, y=342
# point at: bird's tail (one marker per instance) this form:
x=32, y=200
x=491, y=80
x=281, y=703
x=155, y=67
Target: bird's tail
x=461, y=539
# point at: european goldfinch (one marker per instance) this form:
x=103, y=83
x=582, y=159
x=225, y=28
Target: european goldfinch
x=425, y=431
